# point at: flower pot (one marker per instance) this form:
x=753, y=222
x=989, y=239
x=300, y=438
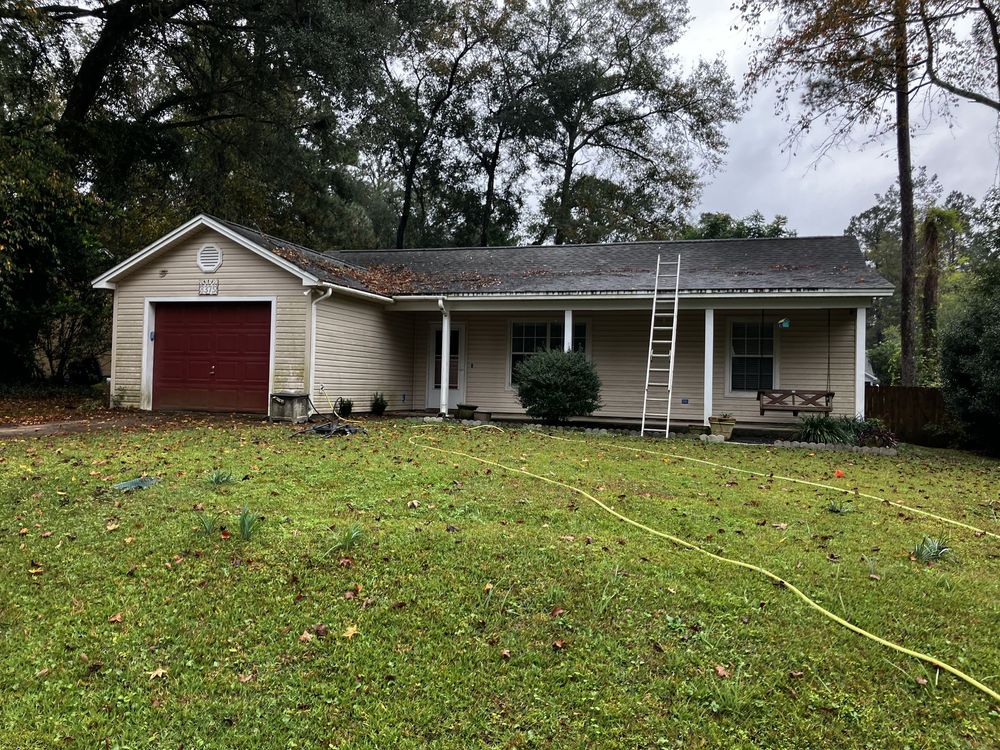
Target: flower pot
x=722, y=426
x=466, y=411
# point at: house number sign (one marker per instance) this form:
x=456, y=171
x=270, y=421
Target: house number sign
x=208, y=287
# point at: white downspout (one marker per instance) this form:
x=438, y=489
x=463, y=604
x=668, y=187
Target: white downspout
x=312, y=340
x=445, y=357
x=709, y=371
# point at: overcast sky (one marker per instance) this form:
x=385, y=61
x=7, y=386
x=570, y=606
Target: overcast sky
x=821, y=197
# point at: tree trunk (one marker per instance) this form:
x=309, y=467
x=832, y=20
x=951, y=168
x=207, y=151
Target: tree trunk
x=563, y=209
x=932, y=278
x=908, y=283
x=122, y=21
x=404, y=212
x=491, y=174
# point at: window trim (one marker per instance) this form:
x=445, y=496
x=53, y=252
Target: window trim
x=508, y=385
x=776, y=356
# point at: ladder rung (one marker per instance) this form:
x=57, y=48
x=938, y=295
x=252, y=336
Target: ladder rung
x=659, y=385
x=657, y=398
x=659, y=369
x=661, y=416
x=663, y=328
x=665, y=354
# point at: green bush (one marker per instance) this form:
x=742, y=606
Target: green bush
x=970, y=376
x=343, y=407
x=555, y=385
x=822, y=428
x=378, y=404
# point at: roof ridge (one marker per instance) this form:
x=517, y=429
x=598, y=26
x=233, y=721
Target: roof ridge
x=629, y=243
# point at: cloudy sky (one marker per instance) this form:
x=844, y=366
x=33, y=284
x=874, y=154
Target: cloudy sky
x=819, y=197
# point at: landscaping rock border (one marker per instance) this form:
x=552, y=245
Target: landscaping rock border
x=838, y=447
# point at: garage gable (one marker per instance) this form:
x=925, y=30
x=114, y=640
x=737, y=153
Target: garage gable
x=181, y=237
x=217, y=290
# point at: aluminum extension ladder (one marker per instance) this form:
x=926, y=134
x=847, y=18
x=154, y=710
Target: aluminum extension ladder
x=657, y=398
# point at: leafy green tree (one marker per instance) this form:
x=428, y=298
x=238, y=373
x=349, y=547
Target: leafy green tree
x=615, y=105
x=48, y=253
x=936, y=224
x=606, y=210
x=850, y=64
x=428, y=76
x=719, y=226
x=970, y=350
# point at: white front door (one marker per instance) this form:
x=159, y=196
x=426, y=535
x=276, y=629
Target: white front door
x=456, y=392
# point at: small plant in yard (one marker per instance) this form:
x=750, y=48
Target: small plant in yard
x=249, y=523
x=378, y=404
x=343, y=407
x=219, y=477
x=554, y=385
x=839, y=506
x=822, y=428
x=347, y=540
x=871, y=433
x=932, y=549
x=207, y=523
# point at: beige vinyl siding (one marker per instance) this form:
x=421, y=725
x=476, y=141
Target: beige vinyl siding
x=617, y=346
x=175, y=273
x=361, y=348
x=801, y=360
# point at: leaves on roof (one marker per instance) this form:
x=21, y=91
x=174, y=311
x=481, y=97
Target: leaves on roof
x=386, y=279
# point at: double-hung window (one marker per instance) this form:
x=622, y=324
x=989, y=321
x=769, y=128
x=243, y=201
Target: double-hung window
x=751, y=356
x=529, y=338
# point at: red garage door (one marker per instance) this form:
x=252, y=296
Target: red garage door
x=212, y=356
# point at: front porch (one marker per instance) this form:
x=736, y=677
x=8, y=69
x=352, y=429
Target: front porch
x=724, y=353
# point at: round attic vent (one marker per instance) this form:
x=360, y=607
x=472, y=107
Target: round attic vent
x=209, y=258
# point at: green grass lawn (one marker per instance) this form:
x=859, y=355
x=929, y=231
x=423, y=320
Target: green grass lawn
x=123, y=625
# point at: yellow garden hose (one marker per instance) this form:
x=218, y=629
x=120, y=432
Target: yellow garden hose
x=936, y=663
x=943, y=519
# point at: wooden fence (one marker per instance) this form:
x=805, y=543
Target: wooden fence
x=906, y=410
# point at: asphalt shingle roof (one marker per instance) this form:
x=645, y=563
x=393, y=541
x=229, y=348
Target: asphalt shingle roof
x=324, y=266
x=798, y=264
x=792, y=263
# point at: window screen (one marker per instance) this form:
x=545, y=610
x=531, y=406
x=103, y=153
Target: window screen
x=751, y=356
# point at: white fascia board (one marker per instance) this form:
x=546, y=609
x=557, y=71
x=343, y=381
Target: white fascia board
x=108, y=278
x=634, y=301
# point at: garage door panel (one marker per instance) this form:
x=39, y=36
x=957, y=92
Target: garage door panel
x=212, y=356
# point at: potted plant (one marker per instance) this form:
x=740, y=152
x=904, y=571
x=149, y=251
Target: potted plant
x=723, y=425
x=466, y=411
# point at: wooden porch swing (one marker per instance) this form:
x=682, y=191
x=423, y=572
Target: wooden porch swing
x=796, y=400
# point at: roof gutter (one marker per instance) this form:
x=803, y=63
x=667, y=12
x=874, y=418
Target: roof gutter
x=691, y=294
x=346, y=290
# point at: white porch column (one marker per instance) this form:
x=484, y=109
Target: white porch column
x=709, y=361
x=860, y=324
x=568, y=331
x=445, y=357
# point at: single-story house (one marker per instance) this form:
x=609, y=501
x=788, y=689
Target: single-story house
x=217, y=316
